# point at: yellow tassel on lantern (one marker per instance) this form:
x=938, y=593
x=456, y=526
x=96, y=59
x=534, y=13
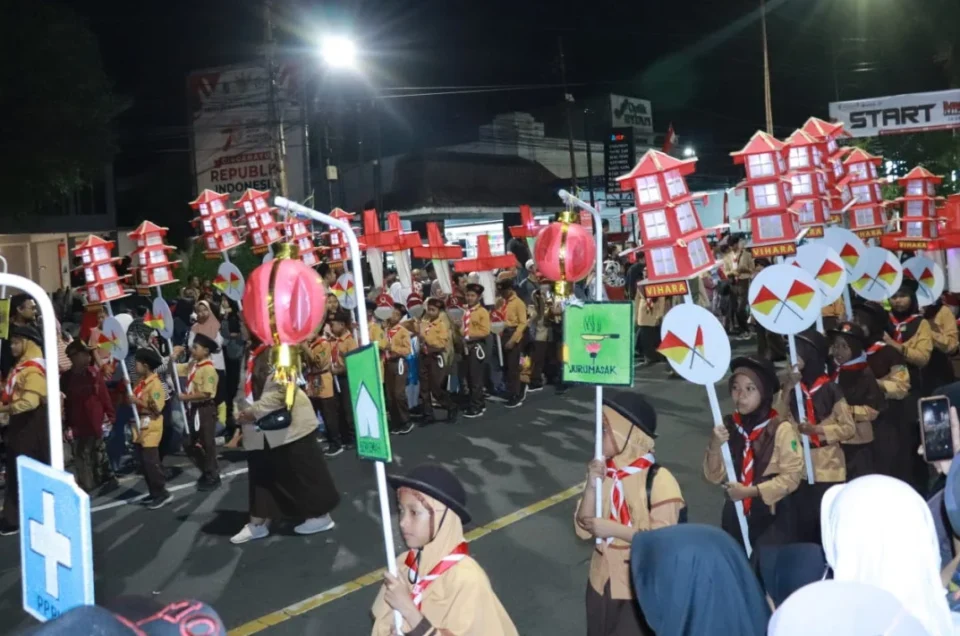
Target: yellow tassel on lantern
x=286, y=365
x=564, y=288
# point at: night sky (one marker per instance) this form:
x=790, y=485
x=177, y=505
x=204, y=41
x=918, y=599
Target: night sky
x=698, y=62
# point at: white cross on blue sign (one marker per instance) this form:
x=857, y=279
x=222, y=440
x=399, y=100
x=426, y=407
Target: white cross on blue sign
x=56, y=548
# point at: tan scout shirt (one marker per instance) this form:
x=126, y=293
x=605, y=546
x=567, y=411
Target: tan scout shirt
x=478, y=323
x=515, y=317
x=944, y=331
x=319, y=378
x=150, y=390
x=863, y=417
x=435, y=335
x=829, y=464
x=396, y=343
x=836, y=309
x=917, y=349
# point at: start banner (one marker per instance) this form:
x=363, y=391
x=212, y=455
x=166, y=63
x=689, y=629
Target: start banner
x=896, y=114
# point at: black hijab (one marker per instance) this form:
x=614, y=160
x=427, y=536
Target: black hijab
x=859, y=386
x=812, y=347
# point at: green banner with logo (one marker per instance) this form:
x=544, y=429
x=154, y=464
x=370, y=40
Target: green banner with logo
x=368, y=404
x=598, y=343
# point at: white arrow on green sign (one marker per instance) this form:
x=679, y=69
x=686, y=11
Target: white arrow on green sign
x=367, y=401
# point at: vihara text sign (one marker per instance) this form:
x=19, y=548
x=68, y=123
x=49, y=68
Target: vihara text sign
x=367, y=401
x=598, y=343
x=56, y=545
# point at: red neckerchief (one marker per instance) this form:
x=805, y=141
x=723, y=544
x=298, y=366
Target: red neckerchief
x=900, y=326
x=876, y=346
x=445, y=564
x=248, y=379
x=33, y=363
x=808, y=405
x=619, y=511
x=746, y=466
x=857, y=364
x=193, y=373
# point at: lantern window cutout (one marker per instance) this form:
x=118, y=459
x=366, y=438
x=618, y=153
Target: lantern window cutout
x=153, y=265
x=919, y=220
x=218, y=231
x=263, y=229
x=99, y=270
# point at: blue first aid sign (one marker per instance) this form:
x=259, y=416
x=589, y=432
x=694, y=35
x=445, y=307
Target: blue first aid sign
x=56, y=547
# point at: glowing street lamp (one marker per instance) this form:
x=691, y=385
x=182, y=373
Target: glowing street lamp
x=689, y=152
x=339, y=52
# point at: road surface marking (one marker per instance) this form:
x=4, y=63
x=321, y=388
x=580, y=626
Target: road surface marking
x=375, y=577
x=139, y=498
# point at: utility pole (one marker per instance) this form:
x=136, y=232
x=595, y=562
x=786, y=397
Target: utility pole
x=768, y=106
x=567, y=99
x=274, y=112
x=586, y=136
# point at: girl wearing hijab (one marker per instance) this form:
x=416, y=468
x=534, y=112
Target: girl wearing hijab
x=209, y=325
x=693, y=579
x=864, y=396
x=440, y=589
x=877, y=530
x=890, y=369
x=766, y=455
x=638, y=496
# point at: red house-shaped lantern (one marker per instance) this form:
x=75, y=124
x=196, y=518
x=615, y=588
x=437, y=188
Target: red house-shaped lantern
x=101, y=280
x=918, y=216
x=772, y=214
x=867, y=214
x=218, y=231
x=149, y=262
x=333, y=243
x=301, y=236
x=262, y=226
x=831, y=154
x=808, y=183
x=673, y=238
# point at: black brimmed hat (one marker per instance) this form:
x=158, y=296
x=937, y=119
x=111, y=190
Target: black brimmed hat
x=476, y=288
x=77, y=346
x=851, y=330
x=873, y=308
x=342, y=315
x=815, y=339
x=762, y=367
x=149, y=357
x=635, y=408
x=206, y=342
x=28, y=332
x=505, y=284
x=437, y=482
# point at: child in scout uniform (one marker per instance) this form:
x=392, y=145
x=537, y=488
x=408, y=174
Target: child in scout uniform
x=149, y=399
x=638, y=496
x=943, y=332
x=199, y=398
x=396, y=346
x=864, y=396
x=767, y=456
x=440, y=589
x=342, y=344
x=373, y=326
x=319, y=358
x=513, y=338
x=24, y=400
x=475, y=330
x=435, y=345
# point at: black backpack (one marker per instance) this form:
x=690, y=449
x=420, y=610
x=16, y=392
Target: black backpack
x=651, y=475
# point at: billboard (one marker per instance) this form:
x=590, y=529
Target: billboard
x=619, y=157
x=231, y=136
x=896, y=114
x=631, y=112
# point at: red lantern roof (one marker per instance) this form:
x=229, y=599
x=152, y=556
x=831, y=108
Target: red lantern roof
x=251, y=195
x=655, y=162
x=801, y=138
x=147, y=228
x=485, y=261
x=761, y=142
x=920, y=173
x=436, y=247
x=823, y=129
x=859, y=155
x=208, y=196
x=91, y=242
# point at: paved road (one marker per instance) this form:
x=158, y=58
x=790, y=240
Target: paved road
x=509, y=460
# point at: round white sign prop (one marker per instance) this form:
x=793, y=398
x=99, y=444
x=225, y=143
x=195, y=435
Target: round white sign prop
x=849, y=247
x=343, y=290
x=113, y=338
x=881, y=277
x=162, y=319
x=930, y=276
x=695, y=344
x=784, y=299
x=230, y=281
x=824, y=264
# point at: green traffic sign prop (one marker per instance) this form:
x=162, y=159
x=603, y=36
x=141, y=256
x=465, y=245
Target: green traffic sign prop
x=368, y=404
x=598, y=343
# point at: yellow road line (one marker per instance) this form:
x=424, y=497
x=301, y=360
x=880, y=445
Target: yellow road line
x=372, y=578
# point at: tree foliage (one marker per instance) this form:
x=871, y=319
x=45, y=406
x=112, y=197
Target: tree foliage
x=57, y=104
x=938, y=152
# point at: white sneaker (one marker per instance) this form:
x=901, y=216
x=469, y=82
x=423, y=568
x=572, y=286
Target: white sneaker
x=250, y=532
x=315, y=525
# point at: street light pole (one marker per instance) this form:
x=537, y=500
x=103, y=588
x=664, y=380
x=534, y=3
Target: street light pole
x=567, y=98
x=586, y=136
x=274, y=112
x=767, y=102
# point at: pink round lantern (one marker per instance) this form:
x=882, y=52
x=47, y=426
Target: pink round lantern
x=565, y=252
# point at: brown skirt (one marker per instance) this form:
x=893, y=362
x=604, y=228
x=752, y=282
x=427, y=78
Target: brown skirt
x=291, y=481
x=613, y=617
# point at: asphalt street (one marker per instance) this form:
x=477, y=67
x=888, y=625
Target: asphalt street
x=509, y=460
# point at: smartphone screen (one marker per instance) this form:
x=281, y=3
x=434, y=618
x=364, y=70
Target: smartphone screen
x=935, y=428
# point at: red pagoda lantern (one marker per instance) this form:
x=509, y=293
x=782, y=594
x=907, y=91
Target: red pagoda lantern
x=218, y=232
x=301, y=237
x=867, y=214
x=831, y=155
x=918, y=218
x=808, y=183
x=101, y=280
x=149, y=262
x=262, y=226
x=334, y=244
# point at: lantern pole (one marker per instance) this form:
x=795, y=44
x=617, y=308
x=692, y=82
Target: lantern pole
x=126, y=374
x=175, y=375
x=572, y=200
x=381, y=473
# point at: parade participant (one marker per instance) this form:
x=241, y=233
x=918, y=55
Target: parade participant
x=199, y=398
x=943, y=332
x=691, y=580
x=638, y=495
x=343, y=343
x=542, y=320
x=650, y=313
x=24, y=397
x=318, y=358
x=149, y=399
x=101, y=357
x=476, y=330
x=440, y=589
x=767, y=458
x=513, y=338
x=289, y=478
x=87, y=404
x=833, y=314
x=862, y=393
x=232, y=343
x=435, y=343
x=208, y=325
x=396, y=346
x=374, y=330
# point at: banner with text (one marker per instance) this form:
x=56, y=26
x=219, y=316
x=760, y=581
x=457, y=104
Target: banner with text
x=896, y=114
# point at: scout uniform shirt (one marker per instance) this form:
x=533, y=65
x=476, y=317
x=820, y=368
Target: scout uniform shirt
x=341, y=346
x=150, y=389
x=396, y=342
x=476, y=323
x=435, y=337
x=944, y=332
x=839, y=426
x=515, y=318
x=26, y=387
x=201, y=378
x=319, y=378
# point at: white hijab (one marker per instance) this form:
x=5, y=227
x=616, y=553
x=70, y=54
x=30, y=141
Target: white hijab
x=878, y=530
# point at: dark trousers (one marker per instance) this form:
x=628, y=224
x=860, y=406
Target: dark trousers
x=743, y=291
x=329, y=409
x=201, y=446
x=231, y=381
x=473, y=375
x=153, y=470
x=538, y=361
x=511, y=364
x=26, y=435
x=90, y=464
x=344, y=409
x=650, y=340
x=433, y=384
x=395, y=390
